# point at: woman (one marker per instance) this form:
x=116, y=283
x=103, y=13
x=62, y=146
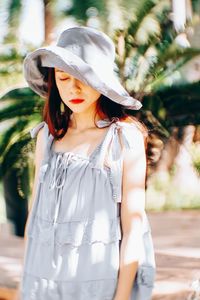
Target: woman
x=87, y=223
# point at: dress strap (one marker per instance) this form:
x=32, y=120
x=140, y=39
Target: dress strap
x=121, y=134
x=34, y=131
x=48, y=138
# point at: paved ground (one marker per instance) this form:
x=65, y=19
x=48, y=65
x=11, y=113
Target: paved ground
x=177, y=244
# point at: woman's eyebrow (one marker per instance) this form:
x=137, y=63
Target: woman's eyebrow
x=61, y=71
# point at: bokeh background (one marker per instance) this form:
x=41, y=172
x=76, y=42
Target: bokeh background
x=158, y=62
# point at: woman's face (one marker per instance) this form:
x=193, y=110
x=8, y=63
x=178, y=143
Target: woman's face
x=71, y=88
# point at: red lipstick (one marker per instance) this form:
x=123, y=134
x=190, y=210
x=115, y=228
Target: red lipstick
x=76, y=101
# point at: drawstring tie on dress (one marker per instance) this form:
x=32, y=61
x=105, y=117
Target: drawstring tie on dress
x=57, y=182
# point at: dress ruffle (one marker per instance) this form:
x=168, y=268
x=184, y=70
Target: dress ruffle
x=99, y=289
x=38, y=288
x=74, y=233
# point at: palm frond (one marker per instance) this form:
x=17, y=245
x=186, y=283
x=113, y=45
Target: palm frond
x=166, y=68
x=82, y=10
x=14, y=10
x=141, y=9
x=12, y=144
x=21, y=109
x=20, y=102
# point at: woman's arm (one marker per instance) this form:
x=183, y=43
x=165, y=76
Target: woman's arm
x=39, y=153
x=132, y=209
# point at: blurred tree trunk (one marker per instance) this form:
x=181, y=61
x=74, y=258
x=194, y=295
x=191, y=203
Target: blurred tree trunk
x=176, y=155
x=48, y=21
x=169, y=152
x=185, y=177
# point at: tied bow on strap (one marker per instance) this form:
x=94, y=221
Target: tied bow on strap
x=121, y=135
x=123, y=128
x=106, y=122
x=34, y=130
x=126, y=131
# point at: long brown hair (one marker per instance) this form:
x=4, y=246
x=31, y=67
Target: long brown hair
x=58, y=120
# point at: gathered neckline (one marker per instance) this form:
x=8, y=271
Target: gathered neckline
x=90, y=156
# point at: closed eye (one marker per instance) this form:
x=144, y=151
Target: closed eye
x=62, y=79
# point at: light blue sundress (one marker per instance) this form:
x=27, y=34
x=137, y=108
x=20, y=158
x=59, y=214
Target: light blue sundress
x=74, y=231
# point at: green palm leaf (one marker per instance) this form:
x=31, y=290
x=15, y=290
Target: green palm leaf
x=20, y=110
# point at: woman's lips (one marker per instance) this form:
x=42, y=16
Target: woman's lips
x=76, y=101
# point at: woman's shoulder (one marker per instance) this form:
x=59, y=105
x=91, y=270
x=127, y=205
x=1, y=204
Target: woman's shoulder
x=134, y=123
x=132, y=131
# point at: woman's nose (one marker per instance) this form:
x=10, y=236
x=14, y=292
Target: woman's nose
x=75, y=83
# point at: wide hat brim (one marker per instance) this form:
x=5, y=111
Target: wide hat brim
x=35, y=72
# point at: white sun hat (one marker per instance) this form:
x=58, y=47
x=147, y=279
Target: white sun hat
x=88, y=55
